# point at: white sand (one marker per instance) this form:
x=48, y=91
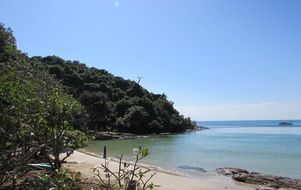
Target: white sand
x=85, y=163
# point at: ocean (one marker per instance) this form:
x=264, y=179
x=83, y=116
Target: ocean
x=260, y=146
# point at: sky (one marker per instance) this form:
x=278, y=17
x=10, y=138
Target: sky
x=216, y=59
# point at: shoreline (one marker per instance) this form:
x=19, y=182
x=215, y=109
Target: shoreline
x=110, y=135
x=84, y=162
x=142, y=165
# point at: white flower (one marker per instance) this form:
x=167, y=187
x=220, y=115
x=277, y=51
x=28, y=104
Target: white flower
x=135, y=150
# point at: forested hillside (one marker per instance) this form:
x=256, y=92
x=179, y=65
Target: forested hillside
x=109, y=102
x=46, y=105
x=113, y=103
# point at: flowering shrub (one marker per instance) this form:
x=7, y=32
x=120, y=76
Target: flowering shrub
x=128, y=177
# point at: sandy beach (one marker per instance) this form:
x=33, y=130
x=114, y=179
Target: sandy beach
x=84, y=163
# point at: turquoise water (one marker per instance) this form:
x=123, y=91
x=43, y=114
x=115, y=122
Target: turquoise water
x=260, y=146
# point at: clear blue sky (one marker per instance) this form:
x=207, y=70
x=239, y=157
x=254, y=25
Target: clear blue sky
x=216, y=59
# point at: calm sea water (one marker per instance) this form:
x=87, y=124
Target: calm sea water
x=260, y=146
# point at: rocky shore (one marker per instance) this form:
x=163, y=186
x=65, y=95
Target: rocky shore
x=268, y=182
x=109, y=135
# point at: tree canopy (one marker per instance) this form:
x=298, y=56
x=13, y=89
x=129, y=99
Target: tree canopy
x=47, y=104
x=113, y=103
x=37, y=115
x=107, y=102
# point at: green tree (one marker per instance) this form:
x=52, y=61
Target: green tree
x=136, y=118
x=36, y=114
x=105, y=97
x=7, y=44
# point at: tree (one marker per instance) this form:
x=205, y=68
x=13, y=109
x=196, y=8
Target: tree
x=136, y=118
x=104, y=97
x=35, y=116
x=60, y=111
x=8, y=48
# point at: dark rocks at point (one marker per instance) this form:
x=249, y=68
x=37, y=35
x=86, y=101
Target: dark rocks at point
x=269, y=182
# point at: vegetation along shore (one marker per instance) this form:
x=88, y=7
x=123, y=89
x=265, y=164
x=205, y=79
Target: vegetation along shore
x=49, y=107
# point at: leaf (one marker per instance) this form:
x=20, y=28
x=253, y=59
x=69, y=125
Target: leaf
x=77, y=175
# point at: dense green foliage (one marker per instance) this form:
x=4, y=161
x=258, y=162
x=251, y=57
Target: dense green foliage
x=110, y=102
x=46, y=103
x=113, y=103
x=36, y=114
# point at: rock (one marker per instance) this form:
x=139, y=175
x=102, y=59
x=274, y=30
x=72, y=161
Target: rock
x=230, y=171
x=187, y=167
x=268, y=181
